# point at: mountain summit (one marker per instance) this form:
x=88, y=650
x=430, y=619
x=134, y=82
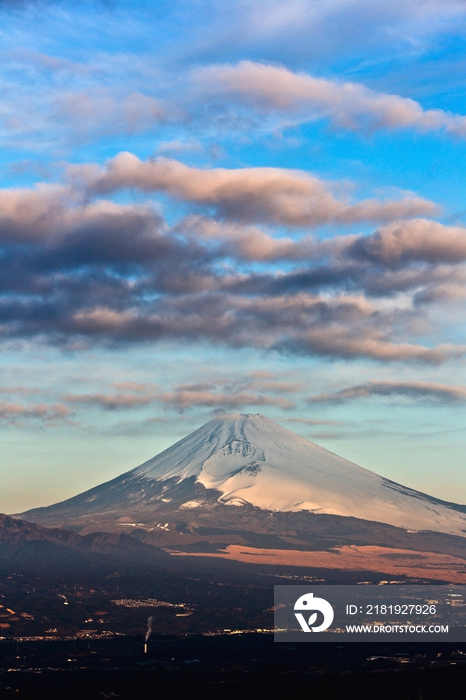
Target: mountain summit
x=248, y=460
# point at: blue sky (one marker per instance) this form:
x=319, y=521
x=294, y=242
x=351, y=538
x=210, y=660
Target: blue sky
x=242, y=206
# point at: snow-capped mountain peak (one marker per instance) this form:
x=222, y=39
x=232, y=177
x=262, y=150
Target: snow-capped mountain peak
x=249, y=459
x=252, y=459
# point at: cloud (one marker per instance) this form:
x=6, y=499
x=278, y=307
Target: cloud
x=255, y=389
x=454, y=289
x=55, y=102
x=48, y=414
x=74, y=269
x=98, y=111
x=399, y=244
x=248, y=242
x=346, y=105
x=311, y=421
x=32, y=214
x=269, y=195
x=49, y=117
x=410, y=241
x=263, y=382
x=344, y=327
x=433, y=391
x=137, y=387
x=179, y=146
x=58, y=216
x=22, y=390
x=342, y=28
x=47, y=62
x=192, y=396
x=185, y=396
x=111, y=402
x=50, y=228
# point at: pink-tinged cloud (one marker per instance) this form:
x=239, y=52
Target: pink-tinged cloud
x=111, y=402
x=188, y=397
x=450, y=291
x=416, y=240
x=344, y=327
x=346, y=343
x=44, y=413
x=136, y=387
x=182, y=398
x=246, y=242
x=55, y=213
x=351, y=106
x=97, y=111
x=73, y=270
x=413, y=390
x=270, y=195
x=255, y=389
x=34, y=214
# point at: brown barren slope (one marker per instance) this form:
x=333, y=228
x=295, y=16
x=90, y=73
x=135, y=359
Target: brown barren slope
x=396, y=562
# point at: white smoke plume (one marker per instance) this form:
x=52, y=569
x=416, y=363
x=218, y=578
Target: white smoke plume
x=150, y=622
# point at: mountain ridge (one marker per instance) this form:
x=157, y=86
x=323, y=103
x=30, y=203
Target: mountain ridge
x=248, y=460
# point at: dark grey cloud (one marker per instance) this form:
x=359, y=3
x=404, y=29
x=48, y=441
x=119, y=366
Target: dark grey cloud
x=74, y=270
x=295, y=324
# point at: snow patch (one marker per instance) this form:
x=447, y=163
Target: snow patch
x=191, y=504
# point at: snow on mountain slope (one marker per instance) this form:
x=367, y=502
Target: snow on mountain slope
x=249, y=459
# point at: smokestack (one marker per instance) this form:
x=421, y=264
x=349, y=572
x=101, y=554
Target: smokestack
x=145, y=647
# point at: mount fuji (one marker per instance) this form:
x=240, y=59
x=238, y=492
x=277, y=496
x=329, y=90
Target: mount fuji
x=239, y=467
